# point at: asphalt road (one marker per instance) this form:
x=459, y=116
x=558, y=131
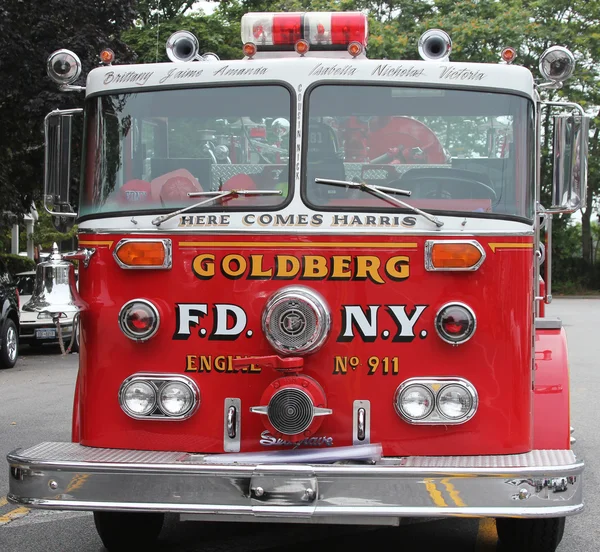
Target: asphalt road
x=35, y=405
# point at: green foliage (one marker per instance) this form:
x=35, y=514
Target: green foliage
x=29, y=32
x=44, y=233
x=16, y=263
x=214, y=34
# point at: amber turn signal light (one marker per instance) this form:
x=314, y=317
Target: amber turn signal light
x=453, y=255
x=144, y=253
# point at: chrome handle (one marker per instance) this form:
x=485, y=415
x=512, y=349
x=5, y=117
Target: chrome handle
x=84, y=255
x=231, y=421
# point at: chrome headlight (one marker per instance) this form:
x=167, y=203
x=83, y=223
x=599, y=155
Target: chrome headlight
x=176, y=398
x=159, y=397
x=414, y=402
x=138, y=398
x=454, y=401
x=439, y=401
x=296, y=320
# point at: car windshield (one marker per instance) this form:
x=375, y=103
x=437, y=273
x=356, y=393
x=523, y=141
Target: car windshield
x=149, y=150
x=454, y=150
x=25, y=283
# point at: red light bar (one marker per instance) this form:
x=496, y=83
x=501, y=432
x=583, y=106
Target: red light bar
x=348, y=27
x=321, y=30
x=287, y=29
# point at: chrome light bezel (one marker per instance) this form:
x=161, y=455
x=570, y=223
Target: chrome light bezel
x=315, y=302
x=167, y=246
x=157, y=381
x=436, y=386
x=440, y=331
x=131, y=335
x=429, y=263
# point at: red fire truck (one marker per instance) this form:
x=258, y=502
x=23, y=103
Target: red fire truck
x=312, y=287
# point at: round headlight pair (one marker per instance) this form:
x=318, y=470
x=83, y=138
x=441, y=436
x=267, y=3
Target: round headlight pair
x=142, y=397
x=434, y=401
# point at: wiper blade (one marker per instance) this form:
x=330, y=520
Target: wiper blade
x=382, y=192
x=213, y=196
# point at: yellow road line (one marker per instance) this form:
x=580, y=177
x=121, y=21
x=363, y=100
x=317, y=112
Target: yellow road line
x=292, y=245
x=3, y=501
x=13, y=514
x=435, y=494
x=487, y=537
x=454, y=494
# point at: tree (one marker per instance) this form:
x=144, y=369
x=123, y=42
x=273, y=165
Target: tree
x=29, y=32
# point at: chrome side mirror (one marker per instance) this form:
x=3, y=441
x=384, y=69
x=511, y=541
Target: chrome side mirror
x=571, y=134
x=57, y=170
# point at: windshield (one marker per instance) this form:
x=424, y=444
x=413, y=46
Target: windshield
x=454, y=150
x=25, y=283
x=149, y=150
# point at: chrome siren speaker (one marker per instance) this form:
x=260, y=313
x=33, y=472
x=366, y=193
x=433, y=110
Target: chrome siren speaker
x=296, y=320
x=182, y=46
x=435, y=45
x=294, y=407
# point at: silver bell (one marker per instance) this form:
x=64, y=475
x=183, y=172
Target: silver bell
x=55, y=288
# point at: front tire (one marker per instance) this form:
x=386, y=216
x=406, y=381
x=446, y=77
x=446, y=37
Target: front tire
x=9, y=344
x=127, y=531
x=530, y=535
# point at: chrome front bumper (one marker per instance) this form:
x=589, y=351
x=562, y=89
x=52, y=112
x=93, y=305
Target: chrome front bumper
x=68, y=476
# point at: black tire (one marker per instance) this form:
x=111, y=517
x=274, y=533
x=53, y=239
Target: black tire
x=530, y=535
x=127, y=531
x=9, y=344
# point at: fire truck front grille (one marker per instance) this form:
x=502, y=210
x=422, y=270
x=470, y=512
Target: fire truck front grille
x=291, y=411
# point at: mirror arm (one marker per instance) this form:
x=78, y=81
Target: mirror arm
x=84, y=255
x=565, y=105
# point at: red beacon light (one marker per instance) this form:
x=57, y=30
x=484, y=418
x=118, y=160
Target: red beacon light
x=301, y=31
x=508, y=54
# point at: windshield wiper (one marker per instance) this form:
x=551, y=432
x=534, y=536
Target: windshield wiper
x=213, y=196
x=383, y=193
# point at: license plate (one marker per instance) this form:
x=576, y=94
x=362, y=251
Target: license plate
x=49, y=333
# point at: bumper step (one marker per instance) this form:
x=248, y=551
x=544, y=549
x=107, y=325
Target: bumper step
x=69, y=476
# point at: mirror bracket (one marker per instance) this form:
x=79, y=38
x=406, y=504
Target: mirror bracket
x=561, y=206
x=57, y=169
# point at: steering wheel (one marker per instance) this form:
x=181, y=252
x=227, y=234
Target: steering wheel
x=445, y=183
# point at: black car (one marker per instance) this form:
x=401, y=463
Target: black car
x=9, y=319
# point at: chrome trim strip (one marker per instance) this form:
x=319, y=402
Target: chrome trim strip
x=441, y=334
x=435, y=386
x=181, y=482
x=167, y=246
x=429, y=263
x=133, y=336
x=361, y=426
x=306, y=231
x=157, y=414
x=232, y=437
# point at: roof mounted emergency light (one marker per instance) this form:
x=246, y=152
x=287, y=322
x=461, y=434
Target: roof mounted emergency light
x=435, y=45
x=320, y=30
x=556, y=65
